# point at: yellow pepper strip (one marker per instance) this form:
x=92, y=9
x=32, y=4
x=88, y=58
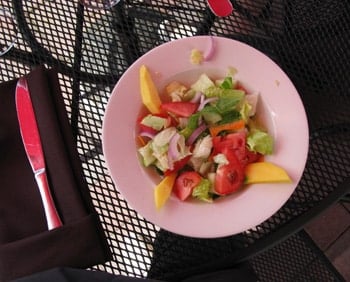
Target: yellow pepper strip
x=232, y=126
x=149, y=92
x=265, y=172
x=163, y=190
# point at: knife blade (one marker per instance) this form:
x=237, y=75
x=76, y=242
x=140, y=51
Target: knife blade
x=33, y=148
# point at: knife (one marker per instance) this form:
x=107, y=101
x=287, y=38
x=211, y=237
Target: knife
x=32, y=145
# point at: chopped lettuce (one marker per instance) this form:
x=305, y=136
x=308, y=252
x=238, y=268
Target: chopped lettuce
x=156, y=150
x=229, y=117
x=227, y=83
x=205, y=167
x=260, y=142
x=202, y=191
x=201, y=152
x=192, y=124
x=200, y=165
x=202, y=148
x=182, y=152
x=211, y=114
x=163, y=137
x=228, y=99
x=252, y=100
x=226, y=104
x=146, y=153
x=162, y=162
x=154, y=122
x=195, y=163
x=245, y=111
x=159, y=151
x=182, y=148
x=225, y=108
x=214, y=91
x=203, y=83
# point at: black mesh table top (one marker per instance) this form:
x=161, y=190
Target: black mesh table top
x=92, y=48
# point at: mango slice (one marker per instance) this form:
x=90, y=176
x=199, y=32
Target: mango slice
x=149, y=92
x=265, y=172
x=163, y=190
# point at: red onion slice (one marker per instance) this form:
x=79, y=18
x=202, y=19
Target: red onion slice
x=206, y=101
x=196, y=97
x=198, y=131
x=147, y=134
x=148, y=129
x=211, y=49
x=201, y=99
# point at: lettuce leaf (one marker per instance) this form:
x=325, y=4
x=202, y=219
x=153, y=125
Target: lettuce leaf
x=245, y=111
x=228, y=99
x=202, y=191
x=192, y=124
x=230, y=116
x=214, y=91
x=163, y=137
x=226, y=104
x=260, y=142
x=202, y=84
x=210, y=114
x=155, y=122
x=227, y=83
x=146, y=153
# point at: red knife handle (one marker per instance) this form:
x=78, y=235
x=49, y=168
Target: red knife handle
x=220, y=8
x=52, y=217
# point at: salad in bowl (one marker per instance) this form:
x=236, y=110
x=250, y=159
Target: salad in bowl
x=205, y=139
x=201, y=130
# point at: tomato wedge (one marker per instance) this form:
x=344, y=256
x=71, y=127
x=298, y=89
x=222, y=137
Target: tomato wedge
x=148, y=129
x=230, y=177
x=185, y=183
x=178, y=165
x=181, y=109
x=236, y=142
x=253, y=157
x=239, y=86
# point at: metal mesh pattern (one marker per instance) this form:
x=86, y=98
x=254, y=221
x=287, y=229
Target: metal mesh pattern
x=296, y=259
x=91, y=49
x=9, y=30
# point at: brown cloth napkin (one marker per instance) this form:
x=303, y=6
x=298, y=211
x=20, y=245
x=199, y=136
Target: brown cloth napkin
x=26, y=245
